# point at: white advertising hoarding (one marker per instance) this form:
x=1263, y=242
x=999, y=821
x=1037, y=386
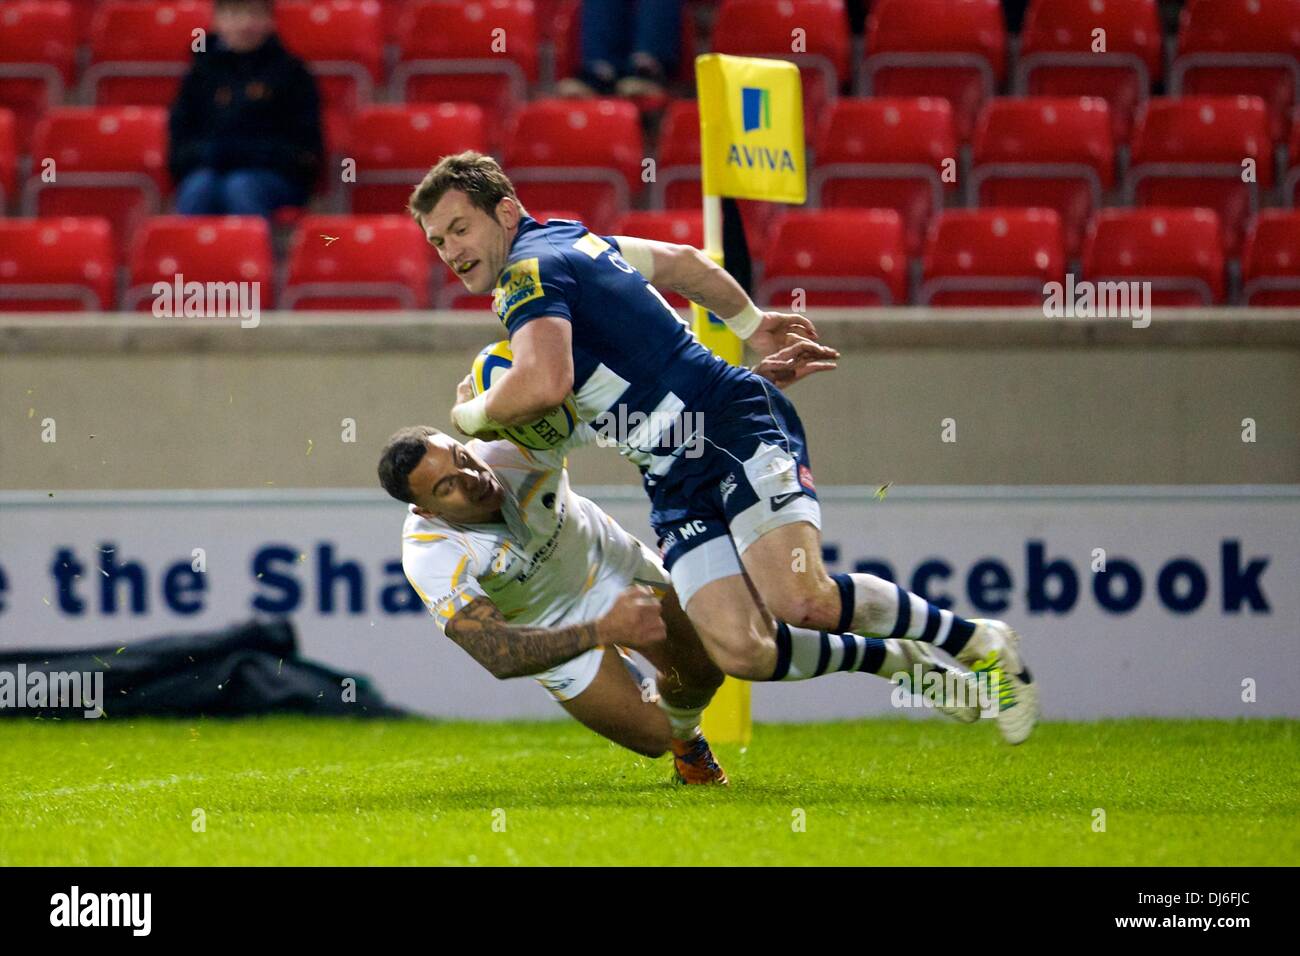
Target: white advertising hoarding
x=1199, y=599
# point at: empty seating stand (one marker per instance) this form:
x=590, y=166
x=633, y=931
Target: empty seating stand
x=991, y=257
x=200, y=249
x=1179, y=251
x=358, y=262
x=955, y=50
x=62, y=264
x=1106, y=48
x=836, y=257
x=888, y=152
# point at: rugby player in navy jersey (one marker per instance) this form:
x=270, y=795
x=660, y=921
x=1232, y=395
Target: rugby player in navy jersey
x=721, y=452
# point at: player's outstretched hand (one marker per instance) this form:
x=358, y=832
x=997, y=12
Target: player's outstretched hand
x=634, y=620
x=797, y=361
x=779, y=329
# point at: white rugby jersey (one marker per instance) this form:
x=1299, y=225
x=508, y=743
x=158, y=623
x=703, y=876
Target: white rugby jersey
x=539, y=564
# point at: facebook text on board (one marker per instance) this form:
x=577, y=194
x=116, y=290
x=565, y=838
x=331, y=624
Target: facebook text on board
x=282, y=578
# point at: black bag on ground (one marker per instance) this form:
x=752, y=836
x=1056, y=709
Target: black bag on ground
x=247, y=669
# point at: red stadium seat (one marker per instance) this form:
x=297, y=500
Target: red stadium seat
x=358, y=262
x=682, y=226
x=1177, y=250
x=765, y=28
x=107, y=161
x=991, y=257
x=546, y=215
x=56, y=265
x=838, y=257
x=677, y=172
x=1190, y=152
x=395, y=146
x=577, y=154
x=1058, y=55
x=8, y=160
x=391, y=17
x=342, y=42
x=887, y=153
x=564, y=30
x=481, y=51
x=140, y=51
x=955, y=49
x=1047, y=151
x=1270, y=265
x=38, y=57
x=1250, y=47
x=83, y=16
x=200, y=249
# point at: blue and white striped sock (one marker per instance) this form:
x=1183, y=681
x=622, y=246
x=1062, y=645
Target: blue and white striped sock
x=872, y=605
x=802, y=653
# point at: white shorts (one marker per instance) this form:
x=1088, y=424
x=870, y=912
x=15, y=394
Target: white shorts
x=631, y=563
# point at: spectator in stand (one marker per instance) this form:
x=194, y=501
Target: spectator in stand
x=628, y=48
x=246, y=126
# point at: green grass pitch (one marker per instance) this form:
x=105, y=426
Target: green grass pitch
x=896, y=792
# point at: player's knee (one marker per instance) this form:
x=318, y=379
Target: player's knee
x=805, y=605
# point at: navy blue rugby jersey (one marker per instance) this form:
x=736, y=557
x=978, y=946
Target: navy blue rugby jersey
x=642, y=379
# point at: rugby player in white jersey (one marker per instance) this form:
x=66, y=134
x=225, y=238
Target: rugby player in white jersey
x=586, y=319
x=532, y=579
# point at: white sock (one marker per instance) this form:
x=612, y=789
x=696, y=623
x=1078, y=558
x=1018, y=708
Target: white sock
x=684, y=721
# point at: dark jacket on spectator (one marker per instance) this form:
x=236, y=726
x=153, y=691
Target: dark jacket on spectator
x=257, y=110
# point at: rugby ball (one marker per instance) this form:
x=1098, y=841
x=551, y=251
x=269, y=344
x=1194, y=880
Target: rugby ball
x=547, y=432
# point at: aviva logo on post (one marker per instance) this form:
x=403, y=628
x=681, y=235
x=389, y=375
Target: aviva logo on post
x=755, y=108
x=756, y=114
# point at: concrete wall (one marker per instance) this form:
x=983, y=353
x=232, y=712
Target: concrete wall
x=206, y=404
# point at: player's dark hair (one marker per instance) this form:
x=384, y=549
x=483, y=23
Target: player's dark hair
x=400, y=457
x=479, y=177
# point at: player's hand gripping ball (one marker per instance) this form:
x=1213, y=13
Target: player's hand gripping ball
x=547, y=432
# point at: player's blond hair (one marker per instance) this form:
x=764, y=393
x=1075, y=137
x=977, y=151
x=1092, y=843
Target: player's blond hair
x=479, y=177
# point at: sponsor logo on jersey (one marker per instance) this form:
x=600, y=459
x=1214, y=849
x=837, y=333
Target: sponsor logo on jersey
x=727, y=486
x=591, y=245
x=451, y=602
x=521, y=282
x=667, y=542
x=780, y=501
x=543, y=554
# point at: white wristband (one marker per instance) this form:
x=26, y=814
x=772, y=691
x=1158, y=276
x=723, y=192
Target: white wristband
x=745, y=322
x=471, y=417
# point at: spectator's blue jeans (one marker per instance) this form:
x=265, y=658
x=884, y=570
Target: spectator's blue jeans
x=610, y=35
x=240, y=192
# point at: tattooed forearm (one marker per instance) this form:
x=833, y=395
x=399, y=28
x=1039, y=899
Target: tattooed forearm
x=508, y=651
x=695, y=276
